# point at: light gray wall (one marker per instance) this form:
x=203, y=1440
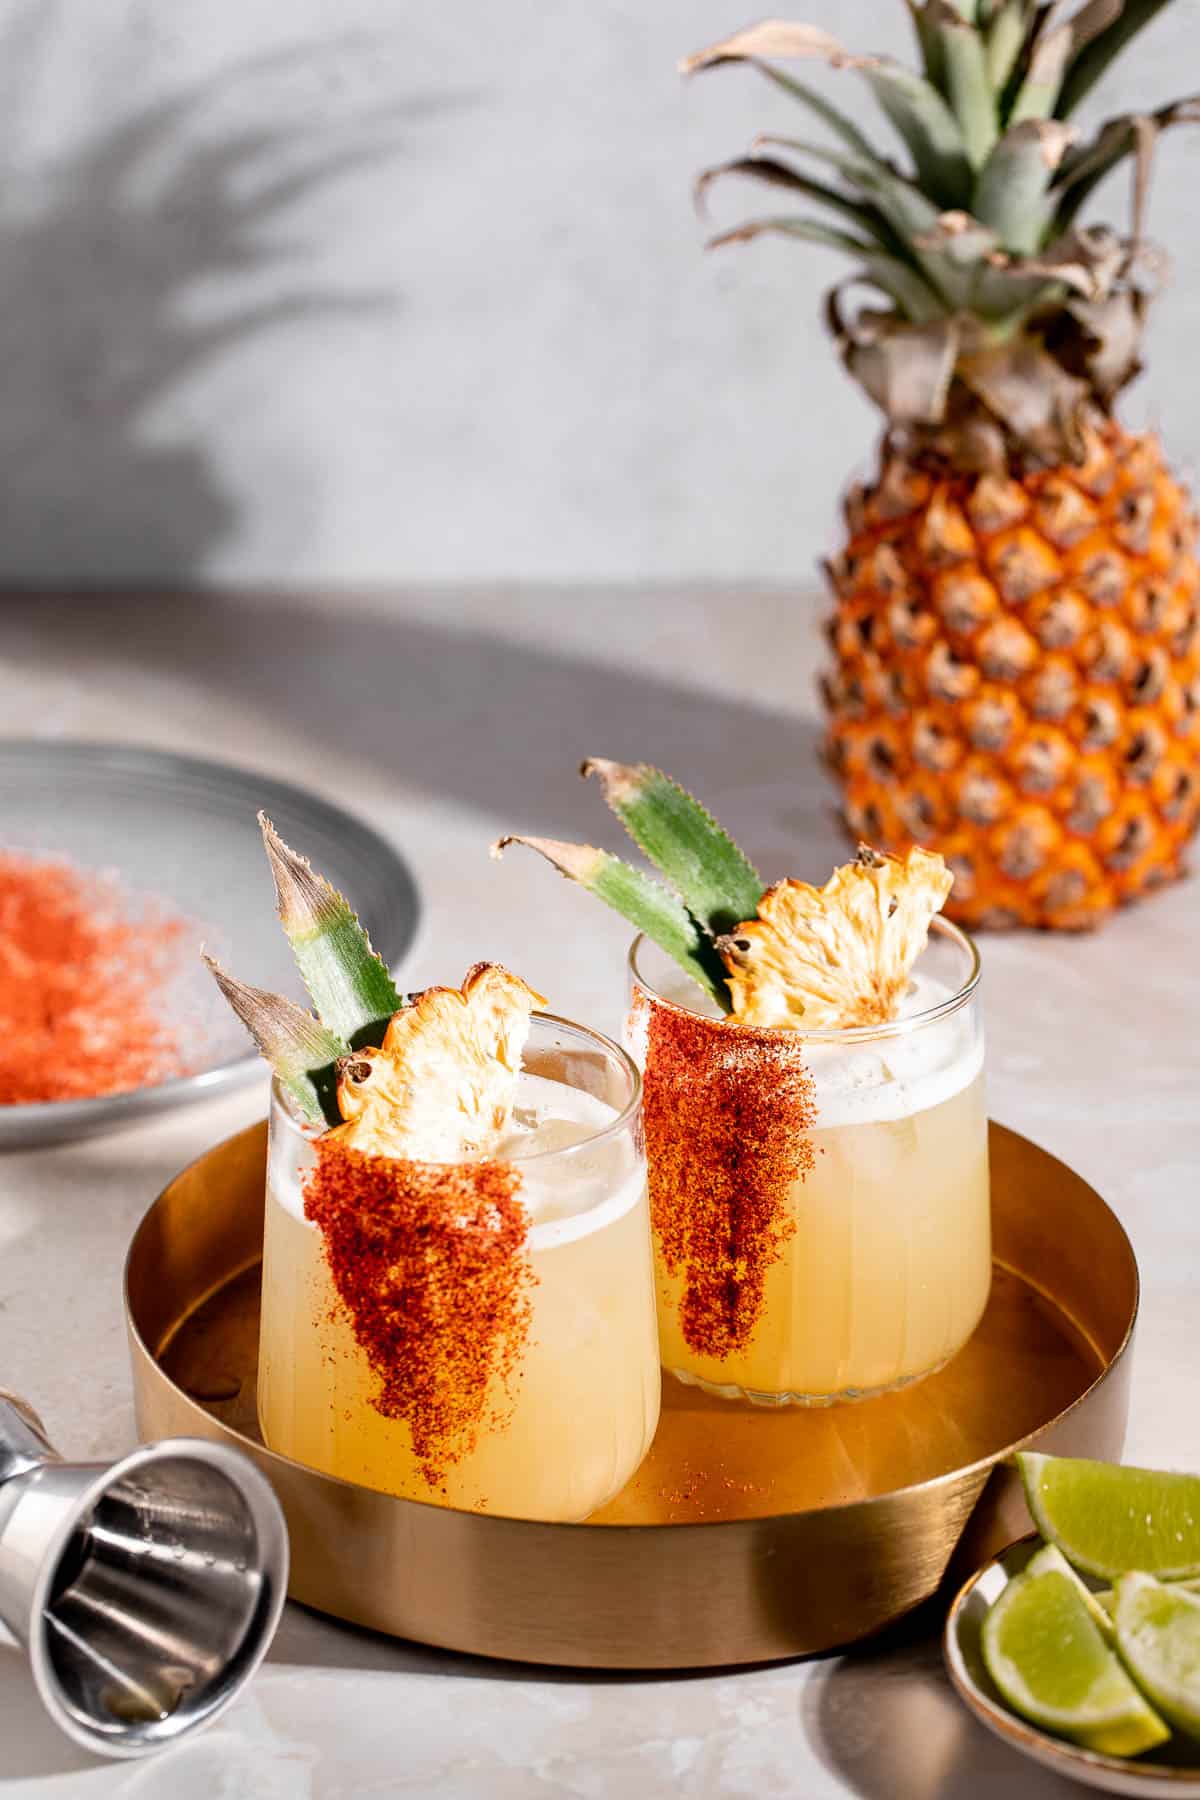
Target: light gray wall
x=349, y=290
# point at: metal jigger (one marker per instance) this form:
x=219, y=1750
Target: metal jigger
x=146, y=1591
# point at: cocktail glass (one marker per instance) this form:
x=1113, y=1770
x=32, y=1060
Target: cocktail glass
x=820, y=1200
x=571, y=1405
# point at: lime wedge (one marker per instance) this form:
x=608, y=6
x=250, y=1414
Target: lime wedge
x=1051, y=1663
x=1106, y=1598
x=1050, y=1558
x=1158, y=1636
x=1106, y=1519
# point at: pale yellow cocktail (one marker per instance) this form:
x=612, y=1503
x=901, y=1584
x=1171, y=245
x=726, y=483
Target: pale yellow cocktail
x=868, y=1262
x=567, y=1418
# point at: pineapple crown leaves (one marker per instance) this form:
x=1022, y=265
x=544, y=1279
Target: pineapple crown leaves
x=715, y=886
x=350, y=986
x=975, y=244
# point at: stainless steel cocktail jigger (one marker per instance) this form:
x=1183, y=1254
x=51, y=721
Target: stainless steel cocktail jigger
x=146, y=1591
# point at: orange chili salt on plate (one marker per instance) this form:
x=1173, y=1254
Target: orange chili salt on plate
x=81, y=980
x=429, y=1262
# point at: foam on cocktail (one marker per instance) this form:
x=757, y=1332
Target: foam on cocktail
x=876, y=1078
x=548, y=1116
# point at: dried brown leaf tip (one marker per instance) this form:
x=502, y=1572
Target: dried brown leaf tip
x=306, y=901
x=578, y=862
x=299, y=1048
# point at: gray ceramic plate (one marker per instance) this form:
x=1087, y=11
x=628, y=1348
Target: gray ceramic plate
x=185, y=830
x=1172, y=1771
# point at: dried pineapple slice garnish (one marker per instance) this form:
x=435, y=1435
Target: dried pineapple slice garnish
x=440, y=1087
x=826, y=958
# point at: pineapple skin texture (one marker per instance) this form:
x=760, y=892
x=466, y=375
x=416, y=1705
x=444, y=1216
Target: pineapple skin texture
x=1016, y=678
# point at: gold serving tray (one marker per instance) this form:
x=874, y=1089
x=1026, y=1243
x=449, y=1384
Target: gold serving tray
x=746, y=1535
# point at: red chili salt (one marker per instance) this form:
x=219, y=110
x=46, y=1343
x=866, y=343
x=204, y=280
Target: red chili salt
x=727, y=1110
x=429, y=1262
x=80, y=985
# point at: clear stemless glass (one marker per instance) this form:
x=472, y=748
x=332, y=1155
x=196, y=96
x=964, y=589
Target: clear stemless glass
x=823, y=1251
x=569, y=1412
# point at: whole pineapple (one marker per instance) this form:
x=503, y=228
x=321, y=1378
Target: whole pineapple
x=1016, y=627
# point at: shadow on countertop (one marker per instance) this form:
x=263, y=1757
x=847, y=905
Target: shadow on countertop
x=885, y=1720
x=881, y=1718
x=461, y=715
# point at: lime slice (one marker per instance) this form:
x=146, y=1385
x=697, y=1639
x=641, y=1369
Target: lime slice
x=1050, y=1558
x=1158, y=1636
x=1106, y=1519
x=1051, y=1663
x=1106, y=1598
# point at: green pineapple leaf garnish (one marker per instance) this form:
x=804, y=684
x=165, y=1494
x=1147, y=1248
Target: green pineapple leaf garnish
x=647, y=906
x=350, y=986
x=793, y=956
x=715, y=886
x=718, y=885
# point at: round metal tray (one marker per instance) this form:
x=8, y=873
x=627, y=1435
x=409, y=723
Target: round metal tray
x=746, y=1535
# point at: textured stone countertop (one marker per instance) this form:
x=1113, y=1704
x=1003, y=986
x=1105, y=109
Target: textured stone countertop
x=447, y=716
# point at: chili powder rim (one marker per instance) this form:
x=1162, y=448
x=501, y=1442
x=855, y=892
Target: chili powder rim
x=850, y=1034
x=585, y=1034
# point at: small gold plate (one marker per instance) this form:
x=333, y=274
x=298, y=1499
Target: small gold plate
x=806, y=1527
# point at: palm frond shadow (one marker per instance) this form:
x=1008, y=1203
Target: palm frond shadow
x=146, y=253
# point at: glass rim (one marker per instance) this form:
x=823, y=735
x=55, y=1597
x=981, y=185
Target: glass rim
x=846, y=1034
x=587, y=1033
